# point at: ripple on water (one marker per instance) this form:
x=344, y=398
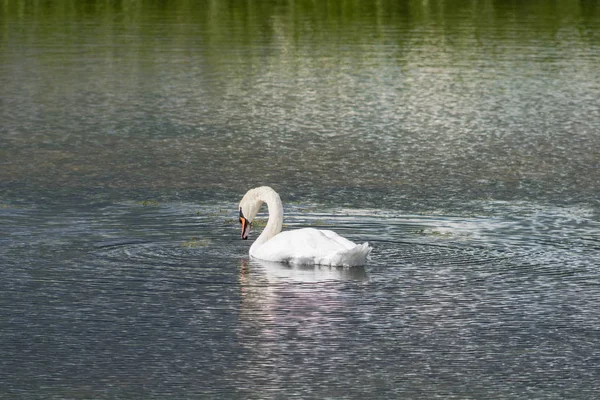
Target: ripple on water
x=477, y=302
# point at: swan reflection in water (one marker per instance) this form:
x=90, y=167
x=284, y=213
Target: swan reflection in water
x=282, y=306
x=255, y=271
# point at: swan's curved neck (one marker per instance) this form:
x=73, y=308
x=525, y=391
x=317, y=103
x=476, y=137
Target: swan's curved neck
x=273, y=227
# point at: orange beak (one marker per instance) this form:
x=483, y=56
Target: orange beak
x=245, y=228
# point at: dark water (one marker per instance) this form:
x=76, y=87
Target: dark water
x=461, y=139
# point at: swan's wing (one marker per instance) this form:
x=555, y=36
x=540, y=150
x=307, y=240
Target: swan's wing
x=347, y=244
x=305, y=246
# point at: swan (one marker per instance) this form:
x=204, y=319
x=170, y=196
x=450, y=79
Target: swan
x=306, y=246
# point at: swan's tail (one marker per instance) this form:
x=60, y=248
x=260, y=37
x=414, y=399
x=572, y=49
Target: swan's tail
x=354, y=257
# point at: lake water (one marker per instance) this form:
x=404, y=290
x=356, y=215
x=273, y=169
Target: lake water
x=460, y=138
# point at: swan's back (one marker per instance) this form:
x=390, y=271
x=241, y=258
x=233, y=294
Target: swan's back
x=312, y=246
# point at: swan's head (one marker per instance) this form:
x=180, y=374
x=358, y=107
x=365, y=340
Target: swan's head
x=249, y=207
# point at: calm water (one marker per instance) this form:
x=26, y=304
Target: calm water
x=460, y=138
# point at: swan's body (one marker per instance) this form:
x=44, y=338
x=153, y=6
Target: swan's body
x=301, y=246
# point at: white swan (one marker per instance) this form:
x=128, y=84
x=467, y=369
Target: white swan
x=302, y=246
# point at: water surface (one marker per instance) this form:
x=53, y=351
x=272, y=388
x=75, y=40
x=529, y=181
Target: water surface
x=461, y=139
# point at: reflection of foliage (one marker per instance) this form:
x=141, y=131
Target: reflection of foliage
x=435, y=233
x=196, y=242
x=259, y=19
x=259, y=223
x=322, y=27
x=213, y=213
x=148, y=203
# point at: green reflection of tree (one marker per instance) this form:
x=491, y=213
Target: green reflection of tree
x=252, y=29
x=245, y=20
